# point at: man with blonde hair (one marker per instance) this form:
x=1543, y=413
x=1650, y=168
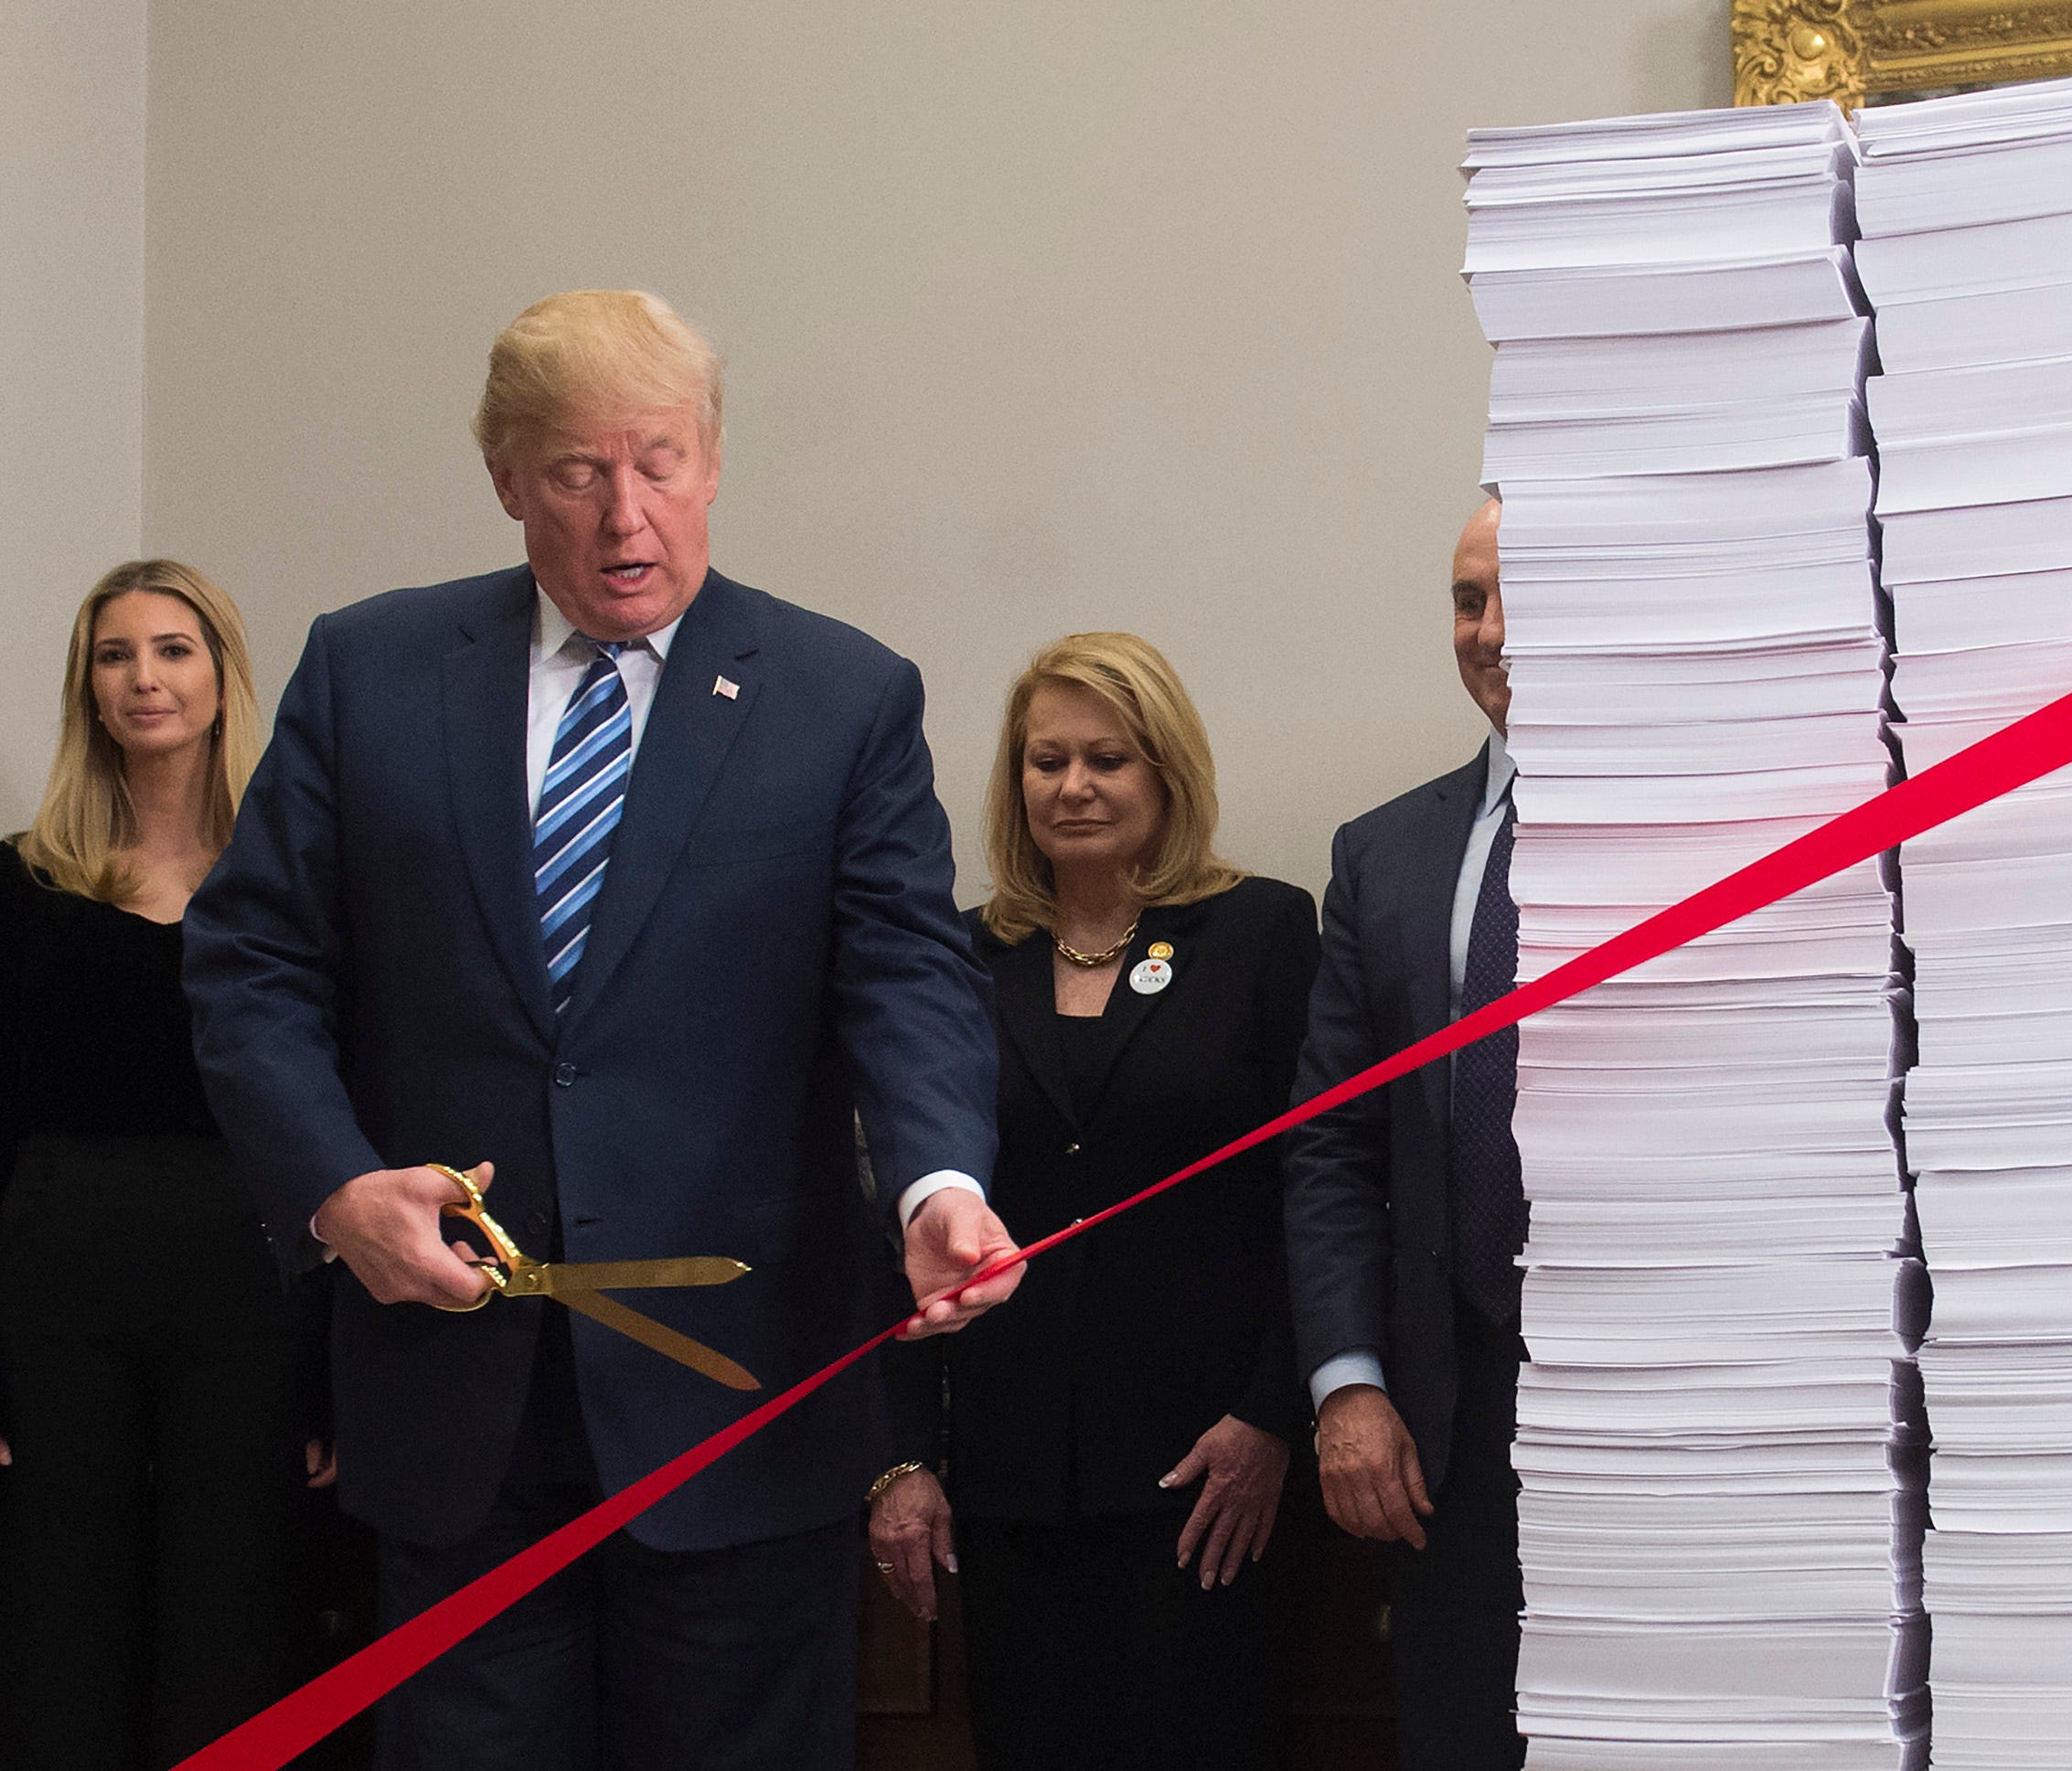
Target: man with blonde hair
x=629, y=883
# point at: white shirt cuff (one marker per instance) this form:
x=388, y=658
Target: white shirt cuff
x=1362, y=1365
x=928, y=1186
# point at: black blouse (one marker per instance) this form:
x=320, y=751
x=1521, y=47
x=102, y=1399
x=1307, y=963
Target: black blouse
x=94, y=1034
x=1121, y=1348
x=1083, y=1042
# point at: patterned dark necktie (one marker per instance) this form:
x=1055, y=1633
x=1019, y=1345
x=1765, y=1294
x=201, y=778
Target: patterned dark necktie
x=578, y=810
x=1489, y=1196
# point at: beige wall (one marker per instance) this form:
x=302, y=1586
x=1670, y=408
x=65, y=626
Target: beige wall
x=1039, y=316
x=71, y=345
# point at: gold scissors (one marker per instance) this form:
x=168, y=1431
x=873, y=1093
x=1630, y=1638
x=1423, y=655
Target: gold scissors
x=579, y=1285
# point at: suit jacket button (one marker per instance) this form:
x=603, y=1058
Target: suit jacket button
x=564, y=1076
x=1072, y=1149
x=537, y=1224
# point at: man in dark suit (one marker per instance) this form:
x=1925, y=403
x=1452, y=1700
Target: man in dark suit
x=630, y=882
x=1404, y=1212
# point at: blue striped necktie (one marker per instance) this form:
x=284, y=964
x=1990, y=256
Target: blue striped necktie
x=578, y=809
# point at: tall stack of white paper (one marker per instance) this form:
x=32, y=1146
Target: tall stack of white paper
x=1967, y=209
x=1718, y=1437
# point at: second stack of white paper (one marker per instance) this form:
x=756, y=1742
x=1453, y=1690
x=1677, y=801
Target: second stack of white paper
x=1967, y=212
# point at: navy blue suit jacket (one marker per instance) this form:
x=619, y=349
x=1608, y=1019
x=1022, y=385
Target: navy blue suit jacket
x=1370, y=1250
x=775, y=942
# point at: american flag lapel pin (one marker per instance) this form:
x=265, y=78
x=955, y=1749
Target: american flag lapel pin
x=723, y=686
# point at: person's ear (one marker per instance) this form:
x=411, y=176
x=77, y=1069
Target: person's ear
x=506, y=482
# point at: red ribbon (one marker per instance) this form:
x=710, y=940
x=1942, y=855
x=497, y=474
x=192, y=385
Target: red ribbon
x=2010, y=758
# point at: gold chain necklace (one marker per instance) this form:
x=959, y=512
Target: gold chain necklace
x=1075, y=957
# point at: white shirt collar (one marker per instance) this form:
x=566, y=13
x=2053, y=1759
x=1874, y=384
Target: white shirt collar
x=1503, y=770
x=552, y=630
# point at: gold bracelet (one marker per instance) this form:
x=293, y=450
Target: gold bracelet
x=888, y=1478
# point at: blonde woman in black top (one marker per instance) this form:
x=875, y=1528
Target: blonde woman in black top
x=146, y=1367
x=1116, y=1438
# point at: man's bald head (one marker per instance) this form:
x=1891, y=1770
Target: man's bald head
x=1478, y=614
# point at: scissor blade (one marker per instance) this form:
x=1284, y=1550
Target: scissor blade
x=665, y=1341
x=564, y=1277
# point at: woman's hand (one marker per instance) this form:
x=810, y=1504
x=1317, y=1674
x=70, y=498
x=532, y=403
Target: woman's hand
x=6, y=1456
x=910, y=1532
x=320, y=1459
x=1235, y=1510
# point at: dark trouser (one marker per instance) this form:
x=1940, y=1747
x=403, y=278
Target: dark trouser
x=147, y=1555
x=1090, y=1648
x=634, y=1658
x=1458, y=1600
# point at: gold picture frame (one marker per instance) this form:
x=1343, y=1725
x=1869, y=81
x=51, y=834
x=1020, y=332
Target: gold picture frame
x=1856, y=50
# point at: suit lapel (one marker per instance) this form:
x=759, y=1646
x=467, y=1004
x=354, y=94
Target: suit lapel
x=1129, y=1008
x=1025, y=998
x=690, y=727
x=1438, y=841
x=483, y=710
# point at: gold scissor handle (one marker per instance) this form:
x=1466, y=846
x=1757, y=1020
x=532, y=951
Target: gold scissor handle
x=504, y=1258
x=511, y=1273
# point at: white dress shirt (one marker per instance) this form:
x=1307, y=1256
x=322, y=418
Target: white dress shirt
x=1364, y=1364
x=560, y=659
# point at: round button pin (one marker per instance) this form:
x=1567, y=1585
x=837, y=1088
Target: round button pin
x=1159, y=950
x=1150, y=976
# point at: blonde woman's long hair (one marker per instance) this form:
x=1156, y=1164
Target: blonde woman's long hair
x=87, y=820
x=1132, y=676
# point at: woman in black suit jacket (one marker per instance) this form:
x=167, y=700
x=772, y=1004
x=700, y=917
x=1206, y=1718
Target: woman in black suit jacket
x=1116, y=1440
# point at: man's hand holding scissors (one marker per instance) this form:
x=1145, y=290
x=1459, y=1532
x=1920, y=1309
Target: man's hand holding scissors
x=390, y=1227
x=386, y=1226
